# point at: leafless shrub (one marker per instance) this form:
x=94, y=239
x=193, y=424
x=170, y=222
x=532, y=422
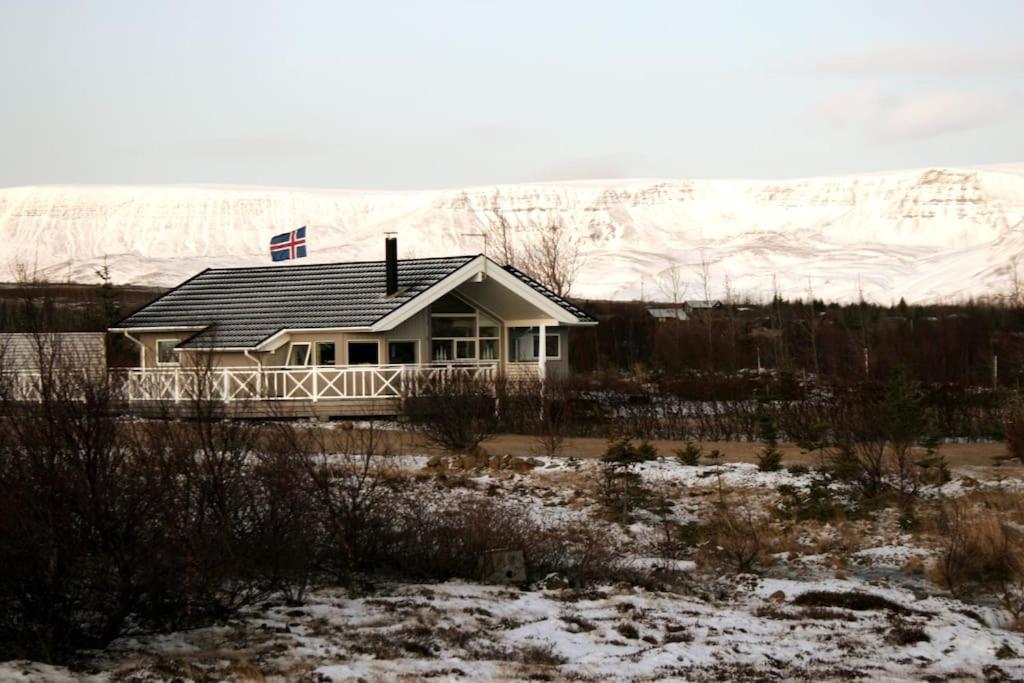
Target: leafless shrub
x=1014, y=432
x=456, y=413
x=542, y=655
x=737, y=538
x=107, y=525
x=542, y=409
x=438, y=536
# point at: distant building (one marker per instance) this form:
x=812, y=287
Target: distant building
x=684, y=310
x=675, y=312
x=702, y=304
x=24, y=352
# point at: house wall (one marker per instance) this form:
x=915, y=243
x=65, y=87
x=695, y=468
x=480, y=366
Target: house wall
x=560, y=367
x=188, y=358
x=554, y=367
x=148, y=340
x=415, y=328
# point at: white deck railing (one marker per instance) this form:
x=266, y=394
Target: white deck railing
x=319, y=383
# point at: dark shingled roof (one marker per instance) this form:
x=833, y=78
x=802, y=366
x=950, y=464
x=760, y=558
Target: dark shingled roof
x=241, y=307
x=564, y=303
x=244, y=306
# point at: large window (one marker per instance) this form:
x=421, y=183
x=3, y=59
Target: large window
x=165, y=352
x=401, y=352
x=363, y=353
x=459, y=333
x=490, y=338
x=524, y=344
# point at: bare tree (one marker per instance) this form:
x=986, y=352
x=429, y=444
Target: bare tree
x=704, y=275
x=554, y=258
x=672, y=283
x=1016, y=294
x=501, y=241
x=704, y=313
x=811, y=324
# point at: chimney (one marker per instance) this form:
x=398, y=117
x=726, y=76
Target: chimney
x=390, y=264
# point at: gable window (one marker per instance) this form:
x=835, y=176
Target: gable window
x=458, y=332
x=524, y=344
x=298, y=354
x=165, y=352
x=363, y=353
x=401, y=352
x=325, y=353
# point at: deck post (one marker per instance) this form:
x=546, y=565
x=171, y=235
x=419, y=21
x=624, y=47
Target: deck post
x=227, y=385
x=177, y=389
x=316, y=382
x=542, y=353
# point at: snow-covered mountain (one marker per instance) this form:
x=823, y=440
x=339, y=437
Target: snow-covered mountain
x=927, y=235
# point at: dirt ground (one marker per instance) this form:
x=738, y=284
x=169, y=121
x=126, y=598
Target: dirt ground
x=956, y=454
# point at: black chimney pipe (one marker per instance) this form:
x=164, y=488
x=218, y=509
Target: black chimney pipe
x=390, y=265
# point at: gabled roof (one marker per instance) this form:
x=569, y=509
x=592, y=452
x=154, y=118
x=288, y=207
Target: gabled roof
x=239, y=308
x=580, y=314
x=704, y=303
x=668, y=313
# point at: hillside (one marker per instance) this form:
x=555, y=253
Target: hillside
x=926, y=235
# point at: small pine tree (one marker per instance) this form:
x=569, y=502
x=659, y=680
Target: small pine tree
x=110, y=308
x=621, y=488
x=769, y=459
x=689, y=454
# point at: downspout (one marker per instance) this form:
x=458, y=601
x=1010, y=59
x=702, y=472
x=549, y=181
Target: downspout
x=142, y=349
x=259, y=372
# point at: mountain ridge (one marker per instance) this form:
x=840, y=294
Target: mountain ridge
x=938, y=233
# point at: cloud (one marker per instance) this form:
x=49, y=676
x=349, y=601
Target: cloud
x=939, y=61
x=891, y=116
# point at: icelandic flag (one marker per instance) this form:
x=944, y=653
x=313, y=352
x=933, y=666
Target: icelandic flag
x=288, y=245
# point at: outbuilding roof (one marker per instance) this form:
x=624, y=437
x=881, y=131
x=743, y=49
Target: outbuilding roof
x=242, y=307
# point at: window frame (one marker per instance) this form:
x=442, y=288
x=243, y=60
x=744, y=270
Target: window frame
x=308, y=356
x=548, y=335
x=416, y=350
x=366, y=342
x=316, y=354
x=156, y=347
x=534, y=336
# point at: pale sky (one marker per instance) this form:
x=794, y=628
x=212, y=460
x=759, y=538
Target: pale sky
x=418, y=95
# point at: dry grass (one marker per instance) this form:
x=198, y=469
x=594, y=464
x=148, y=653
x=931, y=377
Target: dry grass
x=980, y=545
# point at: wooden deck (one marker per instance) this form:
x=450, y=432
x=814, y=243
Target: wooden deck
x=319, y=392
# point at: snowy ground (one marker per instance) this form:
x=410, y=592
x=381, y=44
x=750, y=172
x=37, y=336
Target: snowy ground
x=841, y=600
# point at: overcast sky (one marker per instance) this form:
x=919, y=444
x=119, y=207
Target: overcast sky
x=410, y=95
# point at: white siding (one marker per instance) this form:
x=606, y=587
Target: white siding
x=75, y=349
